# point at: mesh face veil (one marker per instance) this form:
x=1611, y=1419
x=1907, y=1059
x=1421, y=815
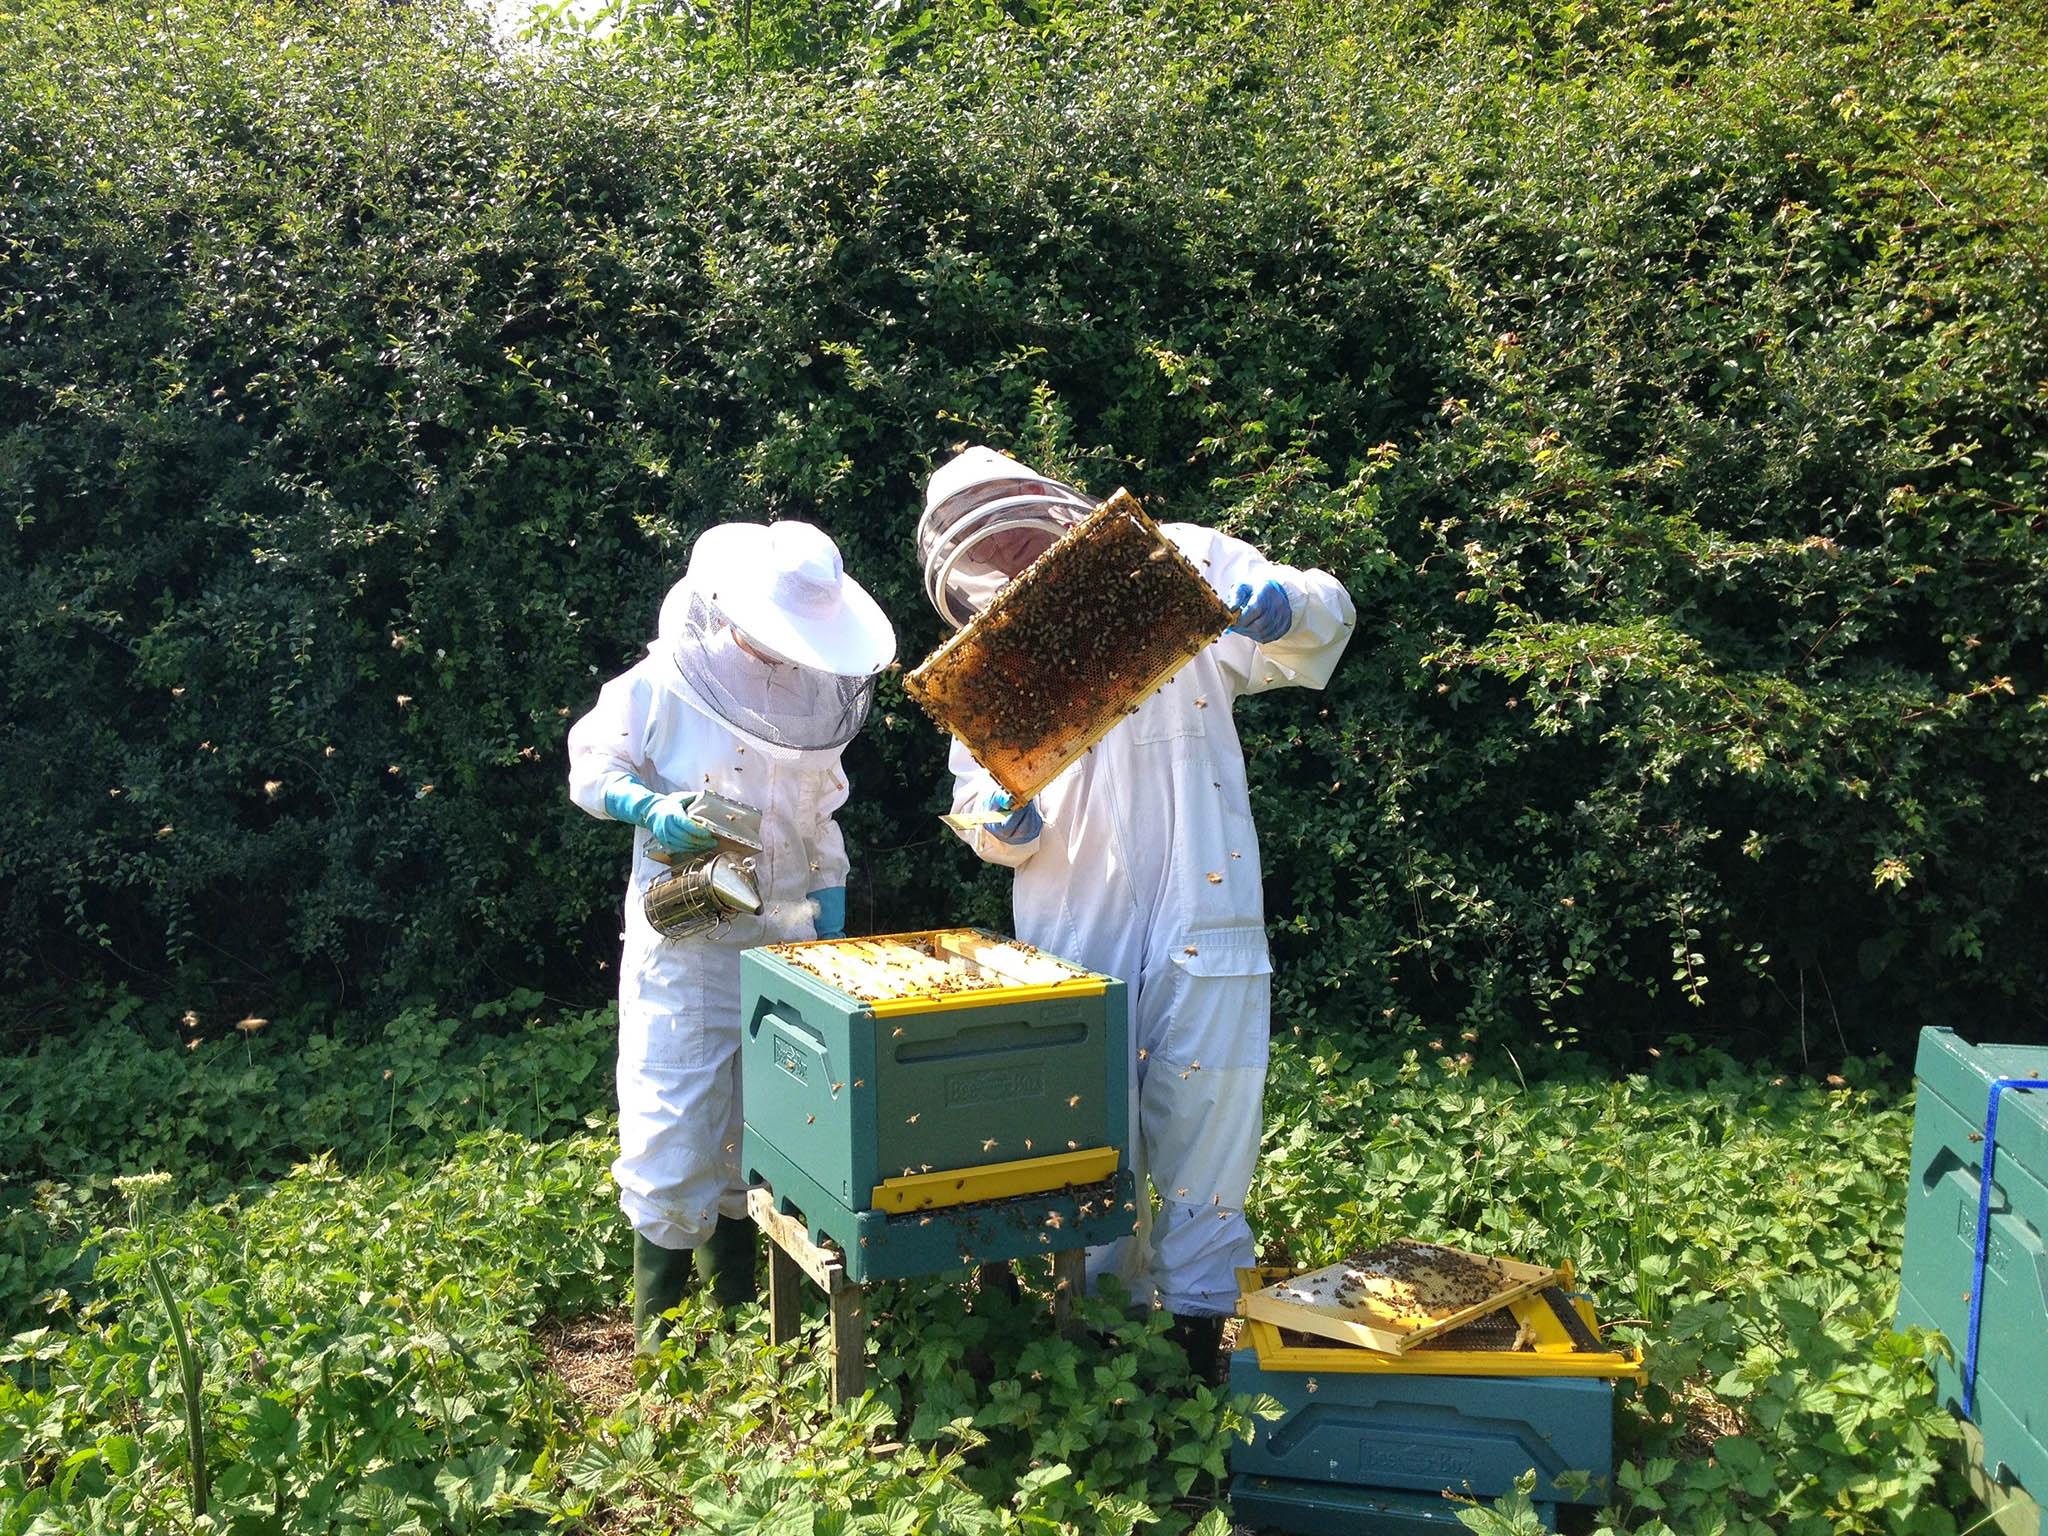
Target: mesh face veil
x=972, y=541
x=785, y=709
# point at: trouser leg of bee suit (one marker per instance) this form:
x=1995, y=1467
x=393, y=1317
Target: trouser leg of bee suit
x=726, y=1261
x=1198, y=1075
x=660, y=1276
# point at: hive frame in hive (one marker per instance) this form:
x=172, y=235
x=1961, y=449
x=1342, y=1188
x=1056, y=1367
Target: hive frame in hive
x=1009, y=645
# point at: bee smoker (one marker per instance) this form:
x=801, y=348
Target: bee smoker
x=703, y=891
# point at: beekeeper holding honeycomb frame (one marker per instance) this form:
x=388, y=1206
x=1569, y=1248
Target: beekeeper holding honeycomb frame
x=763, y=668
x=1140, y=861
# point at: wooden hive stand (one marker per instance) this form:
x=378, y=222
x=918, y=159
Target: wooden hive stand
x=792, y=1255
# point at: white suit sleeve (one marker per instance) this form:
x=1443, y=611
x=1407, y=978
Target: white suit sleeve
x=972, y=785
x=610, y=741
x=1323, y=614
x=828, y=843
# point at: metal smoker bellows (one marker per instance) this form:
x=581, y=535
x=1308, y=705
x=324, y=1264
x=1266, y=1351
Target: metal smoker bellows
x=1098, y=622
x=704, y=891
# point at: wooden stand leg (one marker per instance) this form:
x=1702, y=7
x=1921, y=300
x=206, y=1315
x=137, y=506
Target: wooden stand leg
x=1069, y=1279
x=849, y=1343
x=785, y=1305
x=791, y=1253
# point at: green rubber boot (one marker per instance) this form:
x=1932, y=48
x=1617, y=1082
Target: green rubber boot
x=726, y=1261
x=1201, y=1340
x=660, y=1276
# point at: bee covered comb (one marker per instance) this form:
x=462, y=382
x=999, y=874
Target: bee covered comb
x=1097, y=623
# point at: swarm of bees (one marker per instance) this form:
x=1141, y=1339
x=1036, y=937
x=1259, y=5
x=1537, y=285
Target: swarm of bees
x=1074, y=644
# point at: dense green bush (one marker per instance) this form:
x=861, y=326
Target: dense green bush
x=1668, y=385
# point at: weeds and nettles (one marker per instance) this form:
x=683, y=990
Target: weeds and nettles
x=364, y=1326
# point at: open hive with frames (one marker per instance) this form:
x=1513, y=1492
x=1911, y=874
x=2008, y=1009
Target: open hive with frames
x=929, y=1099
x=1098, y=622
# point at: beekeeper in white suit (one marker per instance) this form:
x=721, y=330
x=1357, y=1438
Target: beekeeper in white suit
x=762, y=670
x=1140, y=861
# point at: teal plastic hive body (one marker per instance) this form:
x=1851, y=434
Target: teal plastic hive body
x=1472, y=1435
x=839, y=1099
x=2011, y=1404
x=1335, y=1509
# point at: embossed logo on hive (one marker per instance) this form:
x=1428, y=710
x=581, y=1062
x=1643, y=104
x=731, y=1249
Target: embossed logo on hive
x=994, y=1084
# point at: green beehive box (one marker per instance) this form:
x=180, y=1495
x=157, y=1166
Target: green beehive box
x=922, y=1109
x=1471, y=1435
x=1309, y=1508
x=1938, y=1270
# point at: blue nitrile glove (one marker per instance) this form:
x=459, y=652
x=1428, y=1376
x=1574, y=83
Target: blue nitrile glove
x=831, y=911
x=667, y=817
x=1264, y=618
x=1023, y=823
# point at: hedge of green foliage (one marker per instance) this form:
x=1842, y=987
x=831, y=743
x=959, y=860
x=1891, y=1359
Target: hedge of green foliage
x=1668, y=384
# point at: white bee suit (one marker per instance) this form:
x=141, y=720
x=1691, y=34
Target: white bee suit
x=1147, y=869
x=678, y=1069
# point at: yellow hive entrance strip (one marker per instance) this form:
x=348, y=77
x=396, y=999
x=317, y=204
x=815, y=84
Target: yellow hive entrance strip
x=1395, y=1296
x=994, y=1181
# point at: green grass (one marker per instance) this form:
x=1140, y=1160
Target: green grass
x=365, y=1333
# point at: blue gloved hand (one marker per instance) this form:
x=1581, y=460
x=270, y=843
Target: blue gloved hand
x=1021, y=825
x=667, y=817
x=1266, y=617
x=831, y=902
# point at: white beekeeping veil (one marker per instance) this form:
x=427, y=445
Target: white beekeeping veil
x=987, y=517
x=773, y=639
